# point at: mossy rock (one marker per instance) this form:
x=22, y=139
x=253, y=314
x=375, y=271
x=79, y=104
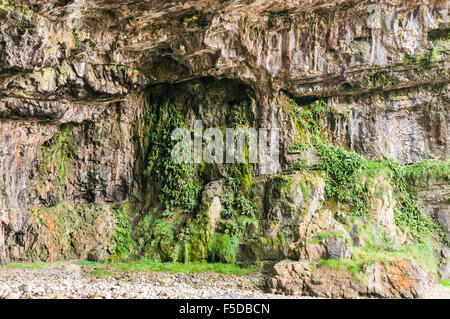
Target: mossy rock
x=294, y=196
x=72, y=231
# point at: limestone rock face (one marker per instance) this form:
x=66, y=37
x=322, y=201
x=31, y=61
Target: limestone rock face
x=329, y=283
x=402, y=279
x=64, y=231
x=288, y=207
x=299, y=278
x=382, y=203
x=444, y=256
x=289, y=277
x=76, y=79
x=211, y=196
x=433, y=197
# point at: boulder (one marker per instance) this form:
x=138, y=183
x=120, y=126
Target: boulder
x=432, y=196
x=403, y=278
x=212, y=190
x=327, y=282
x=400, y=279
x=337, y=248
x=211, y=197
x=289, y=197
x=301, y=279
x=288, y=277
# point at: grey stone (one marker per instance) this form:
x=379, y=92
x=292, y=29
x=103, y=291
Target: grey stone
x=211, y=196
x=337, y=248
x=358, y=241
x=340, y=217
x=211, y=190
x=403, y=278
x=444, y=269
x=72, y=269
x=24, y=288
x=99, y=254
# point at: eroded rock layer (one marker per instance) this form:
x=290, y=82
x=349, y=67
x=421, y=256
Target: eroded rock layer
x=89, y=90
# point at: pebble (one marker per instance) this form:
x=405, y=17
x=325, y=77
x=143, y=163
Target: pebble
x=72, y=268
x=24, y=289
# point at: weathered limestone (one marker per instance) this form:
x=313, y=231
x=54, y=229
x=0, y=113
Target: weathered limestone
x=211, y=197
x=75, y=81
x=433, y=198
x=402, y=279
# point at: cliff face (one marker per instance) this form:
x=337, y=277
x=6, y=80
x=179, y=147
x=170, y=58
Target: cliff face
x=80, y=81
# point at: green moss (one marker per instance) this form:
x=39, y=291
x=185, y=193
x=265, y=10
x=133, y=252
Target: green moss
x=189, y=18
x=281, y=238
x=281, y=185
x=223, y=248
x=343, y=179
x=100, y=272
x=428, y=60
x=57, y=154
x=379, y=79
x=305, y=190
x=25, y=266
x=428, y=168
x=124, y=245
x=352, y=265
x=148, y=265
x=264, y=241
x=194, y=239
x=37, y=213
x=322, y=236
x=180, y=187
x=11, y=5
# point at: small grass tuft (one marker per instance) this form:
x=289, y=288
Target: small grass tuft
x=25, y=266
x=101, y=272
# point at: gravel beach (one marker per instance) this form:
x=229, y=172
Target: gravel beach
x=73, y=281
